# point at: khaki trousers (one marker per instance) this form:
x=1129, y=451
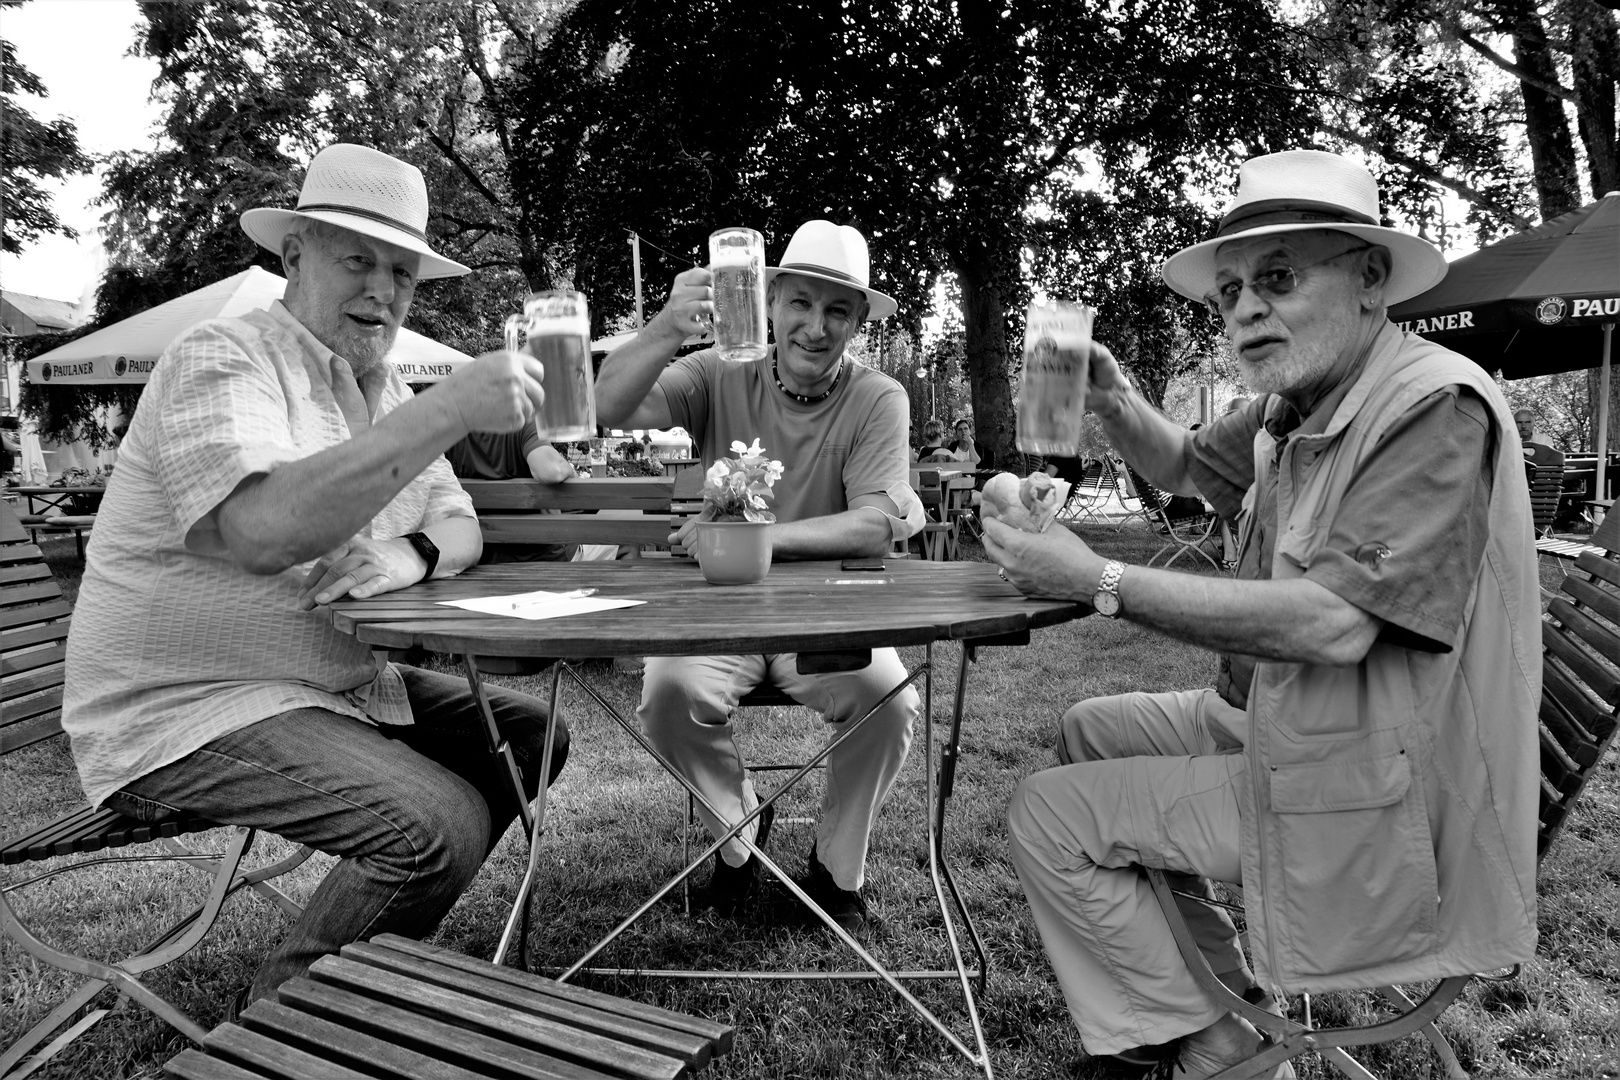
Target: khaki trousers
x=1146, y=780
x=686, y=707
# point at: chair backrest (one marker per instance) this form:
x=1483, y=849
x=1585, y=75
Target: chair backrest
x=1546, y=483
x=33, y=639
x=1580, y=698
x=1138, y=488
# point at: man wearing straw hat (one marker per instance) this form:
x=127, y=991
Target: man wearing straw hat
x=840, y=430
x=1367, y=766
x=276, y=463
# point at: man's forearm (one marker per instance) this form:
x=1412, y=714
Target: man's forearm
x=1153, y=444
x=1296, y=621
x=631, y=370
x=305, y=508
x=460, y=542
x=852, y=533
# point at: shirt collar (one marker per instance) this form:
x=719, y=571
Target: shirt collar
x=322, y=356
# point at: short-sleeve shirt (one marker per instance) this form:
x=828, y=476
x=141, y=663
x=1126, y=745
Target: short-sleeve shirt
x=1423, y=491
x=174, y=644
x=851, y=443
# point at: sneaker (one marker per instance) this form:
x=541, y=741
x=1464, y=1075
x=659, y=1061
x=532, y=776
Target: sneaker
x=1138, y=1063
x=731, y=889
x=1224, y=1043
x=847, y=907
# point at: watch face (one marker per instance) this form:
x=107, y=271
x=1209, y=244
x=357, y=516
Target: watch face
x=1105, y=602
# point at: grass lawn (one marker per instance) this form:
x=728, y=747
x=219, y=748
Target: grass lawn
x=614, y=831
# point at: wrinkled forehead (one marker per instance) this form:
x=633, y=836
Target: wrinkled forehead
x=1242, y=254
x=343, y=242
x=818, y=290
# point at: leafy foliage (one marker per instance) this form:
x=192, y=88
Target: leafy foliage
x=31, y=150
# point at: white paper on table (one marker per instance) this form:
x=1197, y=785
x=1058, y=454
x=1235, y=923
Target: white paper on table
x=539, y=605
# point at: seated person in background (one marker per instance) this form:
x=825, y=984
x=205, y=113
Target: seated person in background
x=971, y=450
x=1537, y=451
x=839, y=430
x=1367, y=767
x=278, y=463
x=933, y=450
x=509, y=455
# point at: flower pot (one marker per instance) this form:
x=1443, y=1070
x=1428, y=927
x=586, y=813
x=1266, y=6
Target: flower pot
x=734, y=552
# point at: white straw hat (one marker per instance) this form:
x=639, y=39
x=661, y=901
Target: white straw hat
x=836, y=253
x=1298, y=190
x=367, y=192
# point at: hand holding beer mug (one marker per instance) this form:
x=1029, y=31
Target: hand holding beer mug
x=737, y=263
x=557, y=326
x=1052, y=394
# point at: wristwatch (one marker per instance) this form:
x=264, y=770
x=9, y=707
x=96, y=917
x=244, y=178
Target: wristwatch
x=1106, y=599
x=425, y=548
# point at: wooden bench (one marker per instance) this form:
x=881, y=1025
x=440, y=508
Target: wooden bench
x=34, y=622
x=393, y=1007
x=639, y=512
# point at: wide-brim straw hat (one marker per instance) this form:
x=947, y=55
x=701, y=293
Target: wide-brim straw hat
x=365, y=191
x=1298, y=190
x=835, y=253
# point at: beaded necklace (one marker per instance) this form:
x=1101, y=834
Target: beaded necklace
x=808, y=399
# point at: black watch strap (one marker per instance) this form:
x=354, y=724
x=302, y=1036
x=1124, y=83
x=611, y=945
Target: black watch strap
x=425, y=548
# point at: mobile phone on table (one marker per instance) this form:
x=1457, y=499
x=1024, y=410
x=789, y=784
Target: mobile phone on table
x=862, y=564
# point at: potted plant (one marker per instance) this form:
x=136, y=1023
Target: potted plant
x=733, y=530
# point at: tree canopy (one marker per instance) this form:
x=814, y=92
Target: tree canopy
x=31, y=150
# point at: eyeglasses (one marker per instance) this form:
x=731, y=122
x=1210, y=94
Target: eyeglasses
x=1268, y=285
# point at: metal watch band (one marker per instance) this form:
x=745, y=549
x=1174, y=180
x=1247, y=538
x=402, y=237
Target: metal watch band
x=1109, y=583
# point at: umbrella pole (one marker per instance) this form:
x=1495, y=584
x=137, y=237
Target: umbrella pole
x=1603, y=415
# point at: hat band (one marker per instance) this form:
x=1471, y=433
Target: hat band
x=824, y=271
x=1262, y=215
x=393, y=223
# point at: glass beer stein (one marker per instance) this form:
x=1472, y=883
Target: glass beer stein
x=1057, y=366
x=737, y=261
x=555, y=329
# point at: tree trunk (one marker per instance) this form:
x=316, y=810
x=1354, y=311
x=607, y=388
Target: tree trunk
x=984, y=322
x=1596, y=52
x=1552, y=150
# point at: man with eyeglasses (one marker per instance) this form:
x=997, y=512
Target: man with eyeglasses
x=1366, y=767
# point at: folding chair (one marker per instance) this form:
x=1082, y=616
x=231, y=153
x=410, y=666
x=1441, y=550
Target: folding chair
x=1124, y=482
x=1091, y=489
x=1580, y=711
x=1186, y=534
x=34, y=622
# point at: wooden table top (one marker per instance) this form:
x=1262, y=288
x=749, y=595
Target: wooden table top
x=800, y=607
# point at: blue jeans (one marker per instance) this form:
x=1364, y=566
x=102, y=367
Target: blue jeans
x=411, y=811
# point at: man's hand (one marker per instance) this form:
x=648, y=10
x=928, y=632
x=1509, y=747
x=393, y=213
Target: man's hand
x=1055, y=564
x=361, y=567
x=686, y=535
x=690, y=309
x=500, y=391
x=1106, y=392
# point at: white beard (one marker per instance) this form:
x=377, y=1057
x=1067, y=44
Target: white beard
x=1300, y=364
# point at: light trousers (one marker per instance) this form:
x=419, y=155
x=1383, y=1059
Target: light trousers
x=686, y=708
x=1145, y=780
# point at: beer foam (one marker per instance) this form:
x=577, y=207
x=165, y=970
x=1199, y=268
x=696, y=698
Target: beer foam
x=1068, y=328
x=560, y=324
x=732, y=255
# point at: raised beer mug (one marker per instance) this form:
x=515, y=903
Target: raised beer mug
x=555, y=329
x=1057, y=366
x=737, y=262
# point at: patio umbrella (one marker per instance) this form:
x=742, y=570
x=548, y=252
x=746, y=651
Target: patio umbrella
x=125, y=351
x=1535, y=303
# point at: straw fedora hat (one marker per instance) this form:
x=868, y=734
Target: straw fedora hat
x=364, y=191
x=835, y=253
x=1308, y=189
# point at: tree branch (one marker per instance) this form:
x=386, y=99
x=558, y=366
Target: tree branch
x=1553, y=89
x=460, y=163
x=1429, y=172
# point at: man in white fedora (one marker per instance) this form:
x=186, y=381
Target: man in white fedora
x=1367, y=765
x=276, y=463
x=840, y=430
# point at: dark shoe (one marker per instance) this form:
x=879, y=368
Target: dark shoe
x=233, y=1011
x=731, y=889
x=847, y=907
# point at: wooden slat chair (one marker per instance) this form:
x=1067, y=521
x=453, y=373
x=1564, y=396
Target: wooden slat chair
x=1185, y=534
x=1124, y=481
x=1580, y=712
x=1094, y=487
x=937, y=541
x=1546, y=487
x=34, y=626
x=393, y=1007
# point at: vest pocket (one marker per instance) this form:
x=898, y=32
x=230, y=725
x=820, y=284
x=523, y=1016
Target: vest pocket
x=1358, y=878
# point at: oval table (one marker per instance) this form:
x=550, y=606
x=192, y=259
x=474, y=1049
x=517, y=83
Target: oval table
x=831, y=617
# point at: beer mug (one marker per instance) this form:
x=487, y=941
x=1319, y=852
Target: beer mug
x=1057, y=366
x=737, y=261
x=555, y=329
